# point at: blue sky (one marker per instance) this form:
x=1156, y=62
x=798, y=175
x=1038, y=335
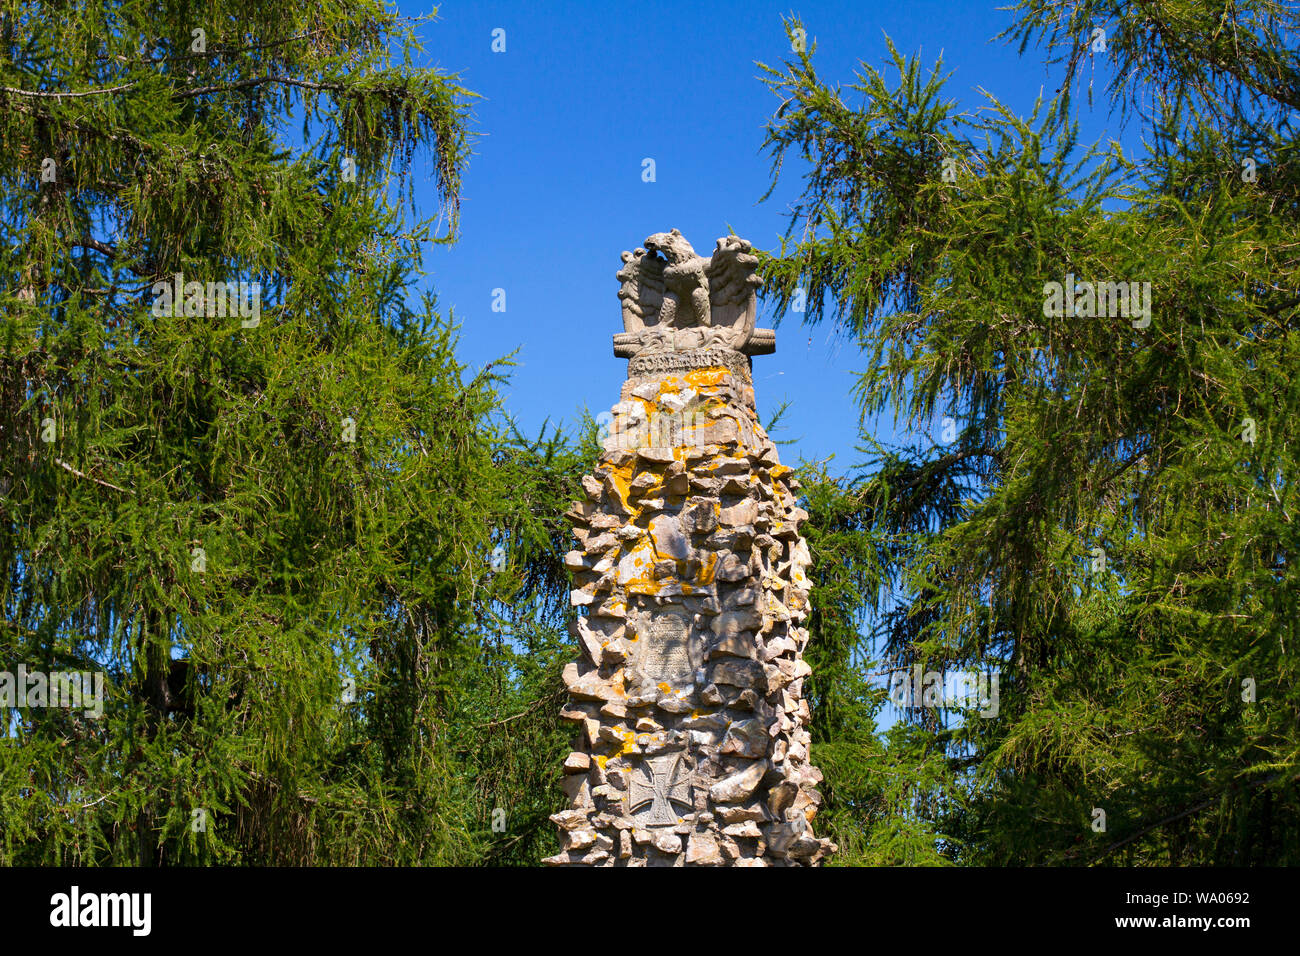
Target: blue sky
x=581, y=96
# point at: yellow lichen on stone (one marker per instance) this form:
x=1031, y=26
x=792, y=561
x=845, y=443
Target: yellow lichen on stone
x=621, y=476
x=642, y=579
x=669, y=385
x=629, y=742
x=704, y=377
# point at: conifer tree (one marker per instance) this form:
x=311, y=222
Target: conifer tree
x=275, y=520
x=1110, y=522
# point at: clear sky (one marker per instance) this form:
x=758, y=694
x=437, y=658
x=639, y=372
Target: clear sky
x=554, y=192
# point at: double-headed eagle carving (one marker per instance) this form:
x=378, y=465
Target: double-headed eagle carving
x=675, y=301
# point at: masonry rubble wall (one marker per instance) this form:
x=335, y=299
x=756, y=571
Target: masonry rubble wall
x=691, y=577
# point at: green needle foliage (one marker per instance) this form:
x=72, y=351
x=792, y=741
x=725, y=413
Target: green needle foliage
x=879, y=793
x=1113, y=525
x=274, y=534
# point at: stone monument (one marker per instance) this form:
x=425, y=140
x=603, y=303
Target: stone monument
x=692, y=573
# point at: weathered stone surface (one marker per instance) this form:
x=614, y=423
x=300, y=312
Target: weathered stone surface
x=745, y=513
x=693, y=746
x=666, y=842
x=747, y=829
x=735, y=645
x=736, y=623
x=578, y=839
x=577, y=763
x=746, y=738
x=742, y=813
x=732, y=568
x=739, y=673
x=589, y=686
x=702, y=849
x=739, y=785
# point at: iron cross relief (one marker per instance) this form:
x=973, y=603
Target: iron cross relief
x=656, y=785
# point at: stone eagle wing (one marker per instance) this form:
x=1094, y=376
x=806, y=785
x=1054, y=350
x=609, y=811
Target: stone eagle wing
x=641, y=289
x=732, y=284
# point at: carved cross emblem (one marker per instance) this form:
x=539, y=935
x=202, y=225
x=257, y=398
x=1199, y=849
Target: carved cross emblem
x=657, y=784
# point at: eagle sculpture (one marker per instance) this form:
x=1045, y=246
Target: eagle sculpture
x=675, y=300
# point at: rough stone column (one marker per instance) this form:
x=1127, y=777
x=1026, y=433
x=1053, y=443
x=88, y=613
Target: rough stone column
x=691, y=569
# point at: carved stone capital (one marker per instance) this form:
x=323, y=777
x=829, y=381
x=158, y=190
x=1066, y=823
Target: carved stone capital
x=677, y=301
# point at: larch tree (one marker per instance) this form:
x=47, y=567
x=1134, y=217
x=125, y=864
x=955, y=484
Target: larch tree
x=245, y=478
x=1107, y=518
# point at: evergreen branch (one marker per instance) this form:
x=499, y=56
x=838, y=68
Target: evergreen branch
x=1195, y=808
x=50, y=95
x=180, y=94
x=80, y=127
x=81, y=474
x=258, y=81
x=930, y=469
x=191, y=91
x=212, y=51
x=523, y=713
x=96, y=246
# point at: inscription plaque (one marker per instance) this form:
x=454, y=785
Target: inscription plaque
x=654, y=363
x=666, y=654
